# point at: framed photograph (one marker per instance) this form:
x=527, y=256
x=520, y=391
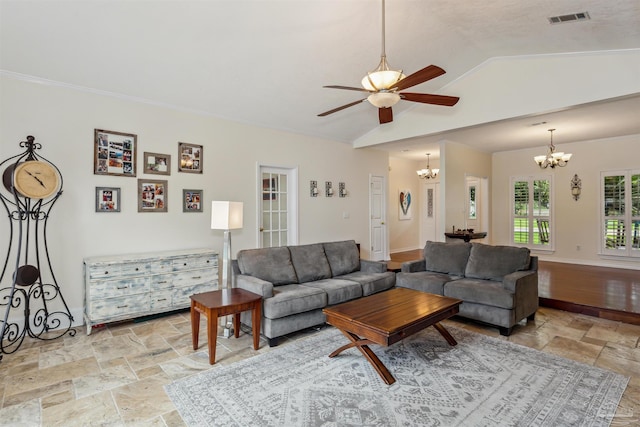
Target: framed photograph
x=152, y=195
x=404, y=200
x=190, y=156
x=114, y=153
x=156, y=163
x=191, y=200
x=107, y=199
x=269, y=189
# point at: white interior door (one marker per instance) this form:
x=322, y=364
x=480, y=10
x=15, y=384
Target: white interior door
x=377, y=209
x=278, y=206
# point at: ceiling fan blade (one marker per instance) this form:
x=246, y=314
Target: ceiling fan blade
x=427, y=98
x=385, y=115
x=421, y=76
x=326, y=113
x=359, y=89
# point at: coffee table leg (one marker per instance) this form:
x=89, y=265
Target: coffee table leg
x=256, y=317
x=236, y=325
x=361, y=344
x=212, y=334
x=447, y=336
x=195, y=325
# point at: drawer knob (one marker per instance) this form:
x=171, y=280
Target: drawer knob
x=106, y=272
x=123, y=306
x=137, y=269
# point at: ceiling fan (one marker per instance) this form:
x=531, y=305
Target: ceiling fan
x=384, y=85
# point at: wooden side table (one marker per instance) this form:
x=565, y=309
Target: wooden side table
x=215, y=304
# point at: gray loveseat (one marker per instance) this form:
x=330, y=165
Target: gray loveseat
x=497, y=284
x=297, y=282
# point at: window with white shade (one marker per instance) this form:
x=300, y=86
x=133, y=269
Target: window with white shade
x=620, y=209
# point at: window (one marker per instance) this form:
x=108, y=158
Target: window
x=531, y=211
x=620, y=198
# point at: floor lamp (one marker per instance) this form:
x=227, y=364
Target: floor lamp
x=226, y=216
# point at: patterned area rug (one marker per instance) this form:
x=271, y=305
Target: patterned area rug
x=482, y=381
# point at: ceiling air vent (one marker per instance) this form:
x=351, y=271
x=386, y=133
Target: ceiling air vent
x=582, y=16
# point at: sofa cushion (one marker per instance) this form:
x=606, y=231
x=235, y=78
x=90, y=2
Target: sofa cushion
x=424, y=281
x=338, y=290
x=270, y=264
x=310, y=262
x=449, y=258
x=293, y=299
x=343, y=257
x=494, y=262
x=372, y=283
x=485, y=292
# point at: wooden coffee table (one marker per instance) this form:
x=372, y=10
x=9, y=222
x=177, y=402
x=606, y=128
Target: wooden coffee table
x=215, y=304
x=387, y=318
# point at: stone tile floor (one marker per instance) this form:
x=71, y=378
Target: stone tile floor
x=115, y=376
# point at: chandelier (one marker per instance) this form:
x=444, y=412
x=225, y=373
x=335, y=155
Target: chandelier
x=428, y=172
x=552, y=158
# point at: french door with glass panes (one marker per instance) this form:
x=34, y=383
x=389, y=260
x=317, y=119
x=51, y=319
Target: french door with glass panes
x=277, y=216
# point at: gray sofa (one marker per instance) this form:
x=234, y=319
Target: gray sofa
x=497, y=284
x=297, y=282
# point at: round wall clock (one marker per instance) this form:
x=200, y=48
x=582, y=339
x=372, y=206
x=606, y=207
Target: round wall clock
x=36, y=179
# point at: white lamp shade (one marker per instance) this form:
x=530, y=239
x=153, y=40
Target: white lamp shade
x=226, y=215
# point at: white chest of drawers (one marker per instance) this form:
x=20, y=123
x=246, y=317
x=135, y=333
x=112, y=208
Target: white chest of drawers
x=123, y=287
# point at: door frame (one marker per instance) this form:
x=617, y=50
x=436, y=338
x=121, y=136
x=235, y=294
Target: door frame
x=292, y=200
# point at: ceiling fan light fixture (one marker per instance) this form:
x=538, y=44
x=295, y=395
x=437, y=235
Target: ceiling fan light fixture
x=383, y=99
x=382, y=78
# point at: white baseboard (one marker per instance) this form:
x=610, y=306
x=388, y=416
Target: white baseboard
x=396, y=250
x=601, y=263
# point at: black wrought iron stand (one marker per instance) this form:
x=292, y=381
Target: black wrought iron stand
x=34, y=304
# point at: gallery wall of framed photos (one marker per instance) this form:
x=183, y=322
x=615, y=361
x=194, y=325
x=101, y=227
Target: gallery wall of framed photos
x=116, y=153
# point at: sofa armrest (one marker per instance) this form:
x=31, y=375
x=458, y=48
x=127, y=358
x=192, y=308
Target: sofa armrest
x=368, y=266
x=413, y=266
x=255, y=285
x=519, y=279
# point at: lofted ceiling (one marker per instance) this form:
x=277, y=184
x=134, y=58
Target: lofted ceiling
x=264, y=62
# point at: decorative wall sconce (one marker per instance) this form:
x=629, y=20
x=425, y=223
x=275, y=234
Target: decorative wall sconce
x=328, y=186
x=576, y=187
x=342, y=191
x=313, y=190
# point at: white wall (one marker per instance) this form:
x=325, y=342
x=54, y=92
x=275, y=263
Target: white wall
x=63, y=120
x=577, y=223
x=404, y=235
x=460, y=161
